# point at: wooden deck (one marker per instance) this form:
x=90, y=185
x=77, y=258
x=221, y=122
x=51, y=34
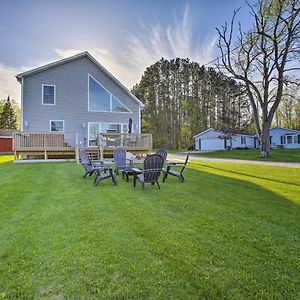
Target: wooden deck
x=55, y=145
x=37, y=145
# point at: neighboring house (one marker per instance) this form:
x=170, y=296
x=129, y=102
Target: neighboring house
x=212, y=139
x=285, y=137
x=77, y=94
x=6, y=141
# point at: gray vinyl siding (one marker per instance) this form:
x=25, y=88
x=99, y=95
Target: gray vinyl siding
x=71, y=81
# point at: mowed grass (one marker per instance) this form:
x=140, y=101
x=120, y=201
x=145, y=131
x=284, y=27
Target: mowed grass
x=230, y=231
x=6, y=158
x=284, y=155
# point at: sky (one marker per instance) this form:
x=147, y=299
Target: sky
x=125, y=36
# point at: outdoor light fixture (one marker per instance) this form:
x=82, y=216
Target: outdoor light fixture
x=26, y=124
x=83, y=125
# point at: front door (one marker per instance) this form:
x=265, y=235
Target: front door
x=199, y=144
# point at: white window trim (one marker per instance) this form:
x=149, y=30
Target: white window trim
x=88, y=140
x=99, y=128
x=63, y=121
x=292, y=139
x=43, y=94
x=110, y=100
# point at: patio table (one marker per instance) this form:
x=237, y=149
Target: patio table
x=131, y=171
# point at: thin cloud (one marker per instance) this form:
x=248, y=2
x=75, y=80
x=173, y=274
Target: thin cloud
x=143, y=48
x=8, y=83
x=150, y=43
x=176, y=40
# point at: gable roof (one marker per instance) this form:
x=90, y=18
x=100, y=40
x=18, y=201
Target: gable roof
x=221, y=132
x=207, y=130
x=284, y=128
x=75, y=57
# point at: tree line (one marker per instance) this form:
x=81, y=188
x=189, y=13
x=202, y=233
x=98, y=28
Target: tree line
x=183, y=98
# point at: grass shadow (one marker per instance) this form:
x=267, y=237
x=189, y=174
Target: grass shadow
x=245, y=174
x=210, y=237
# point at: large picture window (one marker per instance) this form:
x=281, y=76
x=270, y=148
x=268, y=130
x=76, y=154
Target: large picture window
x=48, y=94
x=57, y=125
x=101, y=100
x=96, y=127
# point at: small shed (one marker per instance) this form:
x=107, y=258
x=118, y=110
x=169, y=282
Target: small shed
x=6, y=140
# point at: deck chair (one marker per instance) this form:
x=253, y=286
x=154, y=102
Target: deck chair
x=98, y=168
x=120, y=160
x=88, y=164
x=171, y=165
x=163, y=153
x=150, y=173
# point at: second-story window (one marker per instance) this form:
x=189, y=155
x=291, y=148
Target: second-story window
x=101, y=100
x=48, y=94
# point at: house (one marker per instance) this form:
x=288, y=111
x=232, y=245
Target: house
x=77, y=94
x=212, y=139
x=285, y=137
x=6, y=141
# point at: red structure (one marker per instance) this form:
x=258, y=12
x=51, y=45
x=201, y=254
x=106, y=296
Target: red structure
x=6, y=141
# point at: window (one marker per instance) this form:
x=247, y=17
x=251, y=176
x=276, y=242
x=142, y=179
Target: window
x=56, y=125
x=116, y=105
x=289, y=139
x=102, y=100
x=95, y=128
x=243, y=140
x=299, y=139
x=282, y=139
x=295, y=139
x=99, y=98
x=48, y=94
x=93, y=133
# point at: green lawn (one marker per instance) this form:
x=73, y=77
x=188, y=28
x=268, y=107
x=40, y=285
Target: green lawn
x=230, y=231
x=285, y=155
x=5, y=158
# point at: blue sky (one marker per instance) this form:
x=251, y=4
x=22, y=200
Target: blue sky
x=125, y=36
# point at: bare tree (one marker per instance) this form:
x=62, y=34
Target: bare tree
x=262, y=57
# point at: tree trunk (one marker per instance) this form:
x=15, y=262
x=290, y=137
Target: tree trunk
x=265, y=141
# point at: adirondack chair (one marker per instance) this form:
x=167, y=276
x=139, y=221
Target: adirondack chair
x=150, y=173
x=179, y=174
x=120, y=160
x=163, y=153
x=88, y=164
x=98, y=168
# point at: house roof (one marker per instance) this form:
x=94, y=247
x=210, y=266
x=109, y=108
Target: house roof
x=7, y=132
x=221, y=132
x=75, y=57
x=207, y=130
x=284, y=128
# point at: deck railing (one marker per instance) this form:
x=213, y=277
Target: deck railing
x=44, y=141
x=129, y=141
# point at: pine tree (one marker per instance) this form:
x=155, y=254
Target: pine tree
x=183, y=98
x=8, y=119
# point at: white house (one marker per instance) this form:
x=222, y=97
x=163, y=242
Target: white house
x=212, y=139
x=287, y=138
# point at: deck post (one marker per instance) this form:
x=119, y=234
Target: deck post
x=45, y=155
x=77, y=153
